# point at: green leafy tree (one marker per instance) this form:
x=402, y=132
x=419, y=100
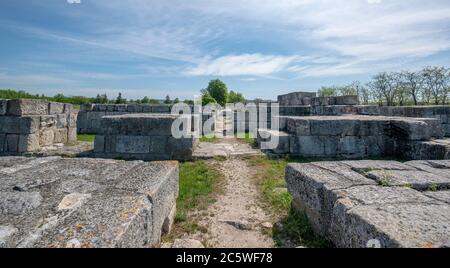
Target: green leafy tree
x=207, y=98
x=145, y=100
x=218, y=91
x=235, y=97
x=177, y=100
x=120, y=99
x=328, y=91
x=167, y=100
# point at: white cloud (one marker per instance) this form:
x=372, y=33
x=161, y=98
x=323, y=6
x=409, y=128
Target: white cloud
x=240, y=65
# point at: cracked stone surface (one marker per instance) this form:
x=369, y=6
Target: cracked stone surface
x=82, y=202
x=350, y=203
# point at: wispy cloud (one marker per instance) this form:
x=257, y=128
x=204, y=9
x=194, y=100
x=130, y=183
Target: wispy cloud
x=242, y=65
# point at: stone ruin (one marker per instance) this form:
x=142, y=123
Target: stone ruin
x=358, y=204
x=31, y=125
x=90, y=203
x=143, y=137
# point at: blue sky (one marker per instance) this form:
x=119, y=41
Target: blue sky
x=259, y=47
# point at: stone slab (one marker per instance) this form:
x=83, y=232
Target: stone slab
x=366, y=214
x=55, y=202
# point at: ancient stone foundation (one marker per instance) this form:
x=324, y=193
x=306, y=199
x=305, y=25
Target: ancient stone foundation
x=90, y=115
x=31, y=125
x=356, y=136
x=92, y=203
x=375, y=203
x=143, y=137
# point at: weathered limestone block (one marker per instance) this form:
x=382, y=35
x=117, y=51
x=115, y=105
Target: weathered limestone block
x=12, y=143
x=19, y=125
x=415, y=179
x=283, y=138
x=296, y=98
x=143, y=136
x=394, y=216
x=60, y=135
x=443, y=196
x=432, y=150
x=346, y=100
x=85, y=202
x=56, y=108
x=3, y=107
x=161, y=109
x=29, y=143
x=24, y=107
x=351, y=210
x=71, y=135
x=47, y=137
x=312, y=189
x=299, y=126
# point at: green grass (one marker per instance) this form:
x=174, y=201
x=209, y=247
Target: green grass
x=200, y=183
x=212, y=139
x=292, y=226
x=246, y=137
x=86, y=137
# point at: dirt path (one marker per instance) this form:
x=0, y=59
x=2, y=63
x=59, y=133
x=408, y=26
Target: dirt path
x=236, y=219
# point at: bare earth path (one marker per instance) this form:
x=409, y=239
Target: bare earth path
x=236, y=219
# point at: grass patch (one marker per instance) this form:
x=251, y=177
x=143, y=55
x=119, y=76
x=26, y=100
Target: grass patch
x=246, y=137
x=292, y=228
x=296, y=229
x=86, y=137
x=212, y=139
x=200, y=183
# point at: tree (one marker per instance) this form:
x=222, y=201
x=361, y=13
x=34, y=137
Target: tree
x=120, y=100
x=384, y=86
x=167, y=100
x=235, y=97
x=364, y=94
x=207, y=98
x=328, y=91
x=189, y=102
x=218, y=91
x=102, y=99
x=435, y=84
x=413, y=84
x=145, y=100
x=177, y=100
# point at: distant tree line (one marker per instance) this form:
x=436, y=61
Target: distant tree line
x=425, y=87
x=217, y=92
x=78, y=100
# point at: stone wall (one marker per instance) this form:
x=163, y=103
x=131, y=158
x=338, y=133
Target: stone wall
x=90, y=115
x=30, y=125
x=358, y=204
x=296, y=99
x=356, y=136
x=143, y=137
x=441, y=113
x=85, y=203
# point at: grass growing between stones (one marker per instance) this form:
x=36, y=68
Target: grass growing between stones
x=200, y=183
x=86, y=137
x=291, y=229
x=246, y=137
x=212, y=139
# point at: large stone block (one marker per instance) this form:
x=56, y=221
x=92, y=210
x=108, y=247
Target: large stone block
x=88, y=203
x=19, y=125
x=12, y=143
x=29, y=143
x=2, y=142
x=60, y=135
x=133, y=144
x=56, y=108
x=28, y=107
x=71, y=135
x=352, y=211
x=47, y=137
x=300, y=126
x=99, y=144
x=3, y=107
x=138, y=124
